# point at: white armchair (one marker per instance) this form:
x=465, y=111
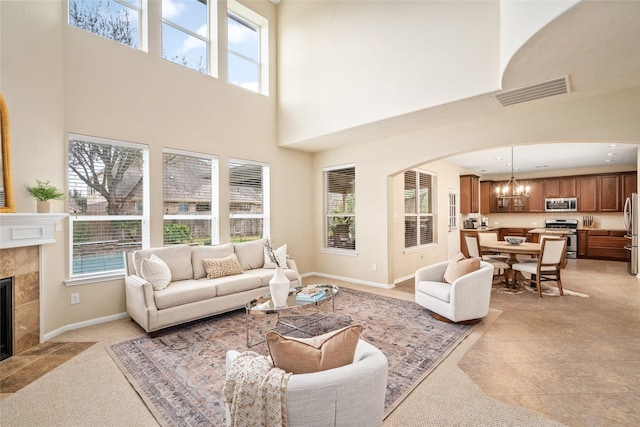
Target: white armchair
x=466, y=300
x=351, y=395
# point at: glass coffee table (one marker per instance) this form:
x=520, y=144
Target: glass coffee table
x=292, y=317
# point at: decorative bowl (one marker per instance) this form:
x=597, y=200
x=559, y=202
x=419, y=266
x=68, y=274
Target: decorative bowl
x=515, y=240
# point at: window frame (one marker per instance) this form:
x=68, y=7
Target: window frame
x=215, y=191
x=245, y=16
x=84, y=278
x=326, y=246
x=210, y=40
x=266, y=198
x=417, y=214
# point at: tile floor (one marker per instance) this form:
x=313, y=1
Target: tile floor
x=26, y=367
x=575, y=360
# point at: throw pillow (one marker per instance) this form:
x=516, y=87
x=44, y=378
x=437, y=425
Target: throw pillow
x=156, y=271
x=281, y=255
x=306, y=355
x=460, y=266
x=220, y=267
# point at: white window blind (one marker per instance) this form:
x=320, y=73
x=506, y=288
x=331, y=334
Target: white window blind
x=419, y=208
x=248, y=200
x=190, y=190
x=340, y=205
x=454, y=210
x=108, y=199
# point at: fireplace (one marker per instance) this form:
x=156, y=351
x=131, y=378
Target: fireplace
x=6, y=318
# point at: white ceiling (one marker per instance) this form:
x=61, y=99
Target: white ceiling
x=541, y=158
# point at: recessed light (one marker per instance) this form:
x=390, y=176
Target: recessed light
x=607, y=161
x=611, y=154
x=542, y=166
x=498, y=158
x=613, y=145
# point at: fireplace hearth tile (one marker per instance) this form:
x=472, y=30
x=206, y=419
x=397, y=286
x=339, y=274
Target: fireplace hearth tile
x=7, y=263
x=27, y=259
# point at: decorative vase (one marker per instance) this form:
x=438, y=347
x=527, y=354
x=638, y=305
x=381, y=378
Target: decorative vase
x=279, y=288
x=44, y=207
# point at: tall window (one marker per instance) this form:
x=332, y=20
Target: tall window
x=190, y=188
x=340, y=207
x=108, y=182
x=247, y=34
x=186, y=33
x=419, y=208
x=248, y=200
x=118, y=20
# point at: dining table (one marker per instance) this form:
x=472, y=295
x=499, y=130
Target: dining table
x=513, y=250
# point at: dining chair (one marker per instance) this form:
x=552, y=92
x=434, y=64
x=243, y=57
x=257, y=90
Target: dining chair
x=490, y=236
x=498, y=263
x=542, y=238
x=549, y=264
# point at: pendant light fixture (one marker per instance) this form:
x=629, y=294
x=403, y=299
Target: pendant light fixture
x=512, y=190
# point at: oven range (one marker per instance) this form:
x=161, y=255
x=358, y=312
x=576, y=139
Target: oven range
x=570, y=225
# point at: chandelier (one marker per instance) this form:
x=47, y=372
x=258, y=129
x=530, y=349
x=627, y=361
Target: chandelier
x=512, y=190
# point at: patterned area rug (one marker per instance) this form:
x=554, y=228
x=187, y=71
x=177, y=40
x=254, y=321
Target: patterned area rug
x=547, y=290
x=180, y=373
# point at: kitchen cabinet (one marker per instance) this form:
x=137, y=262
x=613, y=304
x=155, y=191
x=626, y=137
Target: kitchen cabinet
x=559, y=187
x=609, y=193
x=587, y=193
x=629, y=183
x=583, y=243
x=487, y=197
x=536, y=197
x=607, y=244
x=469, y=194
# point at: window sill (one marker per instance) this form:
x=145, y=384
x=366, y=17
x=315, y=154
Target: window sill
x=335, y=251
x=94, y=278
x=419, y=248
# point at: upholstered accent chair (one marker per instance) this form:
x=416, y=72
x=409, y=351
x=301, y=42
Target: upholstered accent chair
x=548, y=265
x=498, y=262
x=351, y=395
x=465, y=300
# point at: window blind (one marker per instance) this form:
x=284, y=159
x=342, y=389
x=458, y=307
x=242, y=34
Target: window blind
x=248, y=199
x=340, y=203
x=419, y=206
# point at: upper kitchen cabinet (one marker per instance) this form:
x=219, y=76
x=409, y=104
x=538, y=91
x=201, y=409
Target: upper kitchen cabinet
x=560, y=187
x=487, y=197
x=609, y=193
x=587, y=193
x=469, y=194
x=536, y=195
x=629, y=184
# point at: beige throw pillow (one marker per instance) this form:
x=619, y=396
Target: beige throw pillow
x=156, y=271
x=460, y=266
x=220, y=267
x=306, y=355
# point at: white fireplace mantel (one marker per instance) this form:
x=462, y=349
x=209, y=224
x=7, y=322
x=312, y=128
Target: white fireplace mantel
x=28, y=229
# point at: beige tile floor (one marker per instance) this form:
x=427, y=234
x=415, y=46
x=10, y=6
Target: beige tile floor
x=575, y=360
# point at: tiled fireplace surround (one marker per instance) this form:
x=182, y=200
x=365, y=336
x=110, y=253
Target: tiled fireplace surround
x=23, y=264
x=21, y=238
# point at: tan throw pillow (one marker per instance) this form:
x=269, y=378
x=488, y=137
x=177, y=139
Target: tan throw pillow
x=156, y=271
x=306, y=355
x=458, y=267
x=220, y=267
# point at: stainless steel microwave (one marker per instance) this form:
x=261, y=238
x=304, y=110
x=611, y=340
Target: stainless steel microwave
x=561, y=204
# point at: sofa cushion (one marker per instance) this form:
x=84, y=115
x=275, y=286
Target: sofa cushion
x=198, y=253
x=233, y=284
x=250, y=254
x=177, y=257
x=306, y=355
x=184, y=292
x=439, y=290
x=280, y=254
x=156, y=272
x=266, y=274
x=220, y=267
x=459, y=267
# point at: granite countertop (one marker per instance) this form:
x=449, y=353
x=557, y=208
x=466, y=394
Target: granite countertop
x=550, y=230
x=480, y=229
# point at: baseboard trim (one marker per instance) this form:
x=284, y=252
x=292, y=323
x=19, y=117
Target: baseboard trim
x=83, y=324
x=349, y=279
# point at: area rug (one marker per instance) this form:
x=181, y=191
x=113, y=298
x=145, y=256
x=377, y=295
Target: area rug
x=547, y=290
x=180, y=374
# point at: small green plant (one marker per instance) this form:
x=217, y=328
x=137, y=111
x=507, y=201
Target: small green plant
x=44, y=191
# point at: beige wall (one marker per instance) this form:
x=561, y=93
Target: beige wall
x=57, y=79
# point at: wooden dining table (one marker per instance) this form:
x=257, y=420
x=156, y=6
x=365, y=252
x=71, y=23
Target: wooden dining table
x=525, y=248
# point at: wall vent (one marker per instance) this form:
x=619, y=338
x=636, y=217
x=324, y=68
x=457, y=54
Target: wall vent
x=536, y=91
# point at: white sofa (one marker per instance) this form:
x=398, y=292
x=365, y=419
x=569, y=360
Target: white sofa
x=465, y=300
x=190, y=295
x=351, y=395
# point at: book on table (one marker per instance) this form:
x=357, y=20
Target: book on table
x=307, y=297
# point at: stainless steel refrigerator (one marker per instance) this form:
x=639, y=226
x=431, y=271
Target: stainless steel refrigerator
x=631, y=225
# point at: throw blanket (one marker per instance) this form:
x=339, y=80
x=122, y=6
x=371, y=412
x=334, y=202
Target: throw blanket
x=255, y=391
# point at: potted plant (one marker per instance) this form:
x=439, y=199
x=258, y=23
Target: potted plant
x=44, y=193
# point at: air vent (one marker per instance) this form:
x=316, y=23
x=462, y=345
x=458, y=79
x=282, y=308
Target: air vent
x=537, y=91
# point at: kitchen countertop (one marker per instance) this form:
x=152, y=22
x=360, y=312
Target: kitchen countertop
x=550, y=230
x=480, y=229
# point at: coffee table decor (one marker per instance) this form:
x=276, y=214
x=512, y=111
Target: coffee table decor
x=179, y=374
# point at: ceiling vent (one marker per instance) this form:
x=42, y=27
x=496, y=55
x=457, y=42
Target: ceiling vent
x=536, y=91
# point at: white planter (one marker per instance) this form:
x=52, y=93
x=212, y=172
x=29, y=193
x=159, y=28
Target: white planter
x=279, y=288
